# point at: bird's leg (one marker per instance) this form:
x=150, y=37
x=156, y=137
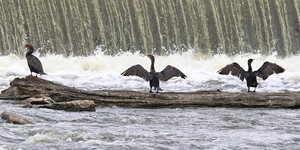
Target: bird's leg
x=155, y=89
x=249, y=89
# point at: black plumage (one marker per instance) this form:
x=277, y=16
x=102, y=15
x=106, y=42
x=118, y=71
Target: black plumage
x=34, y=63
x=263, y=72
x=153, y=77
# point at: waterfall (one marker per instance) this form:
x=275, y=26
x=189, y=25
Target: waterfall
x=162, y=27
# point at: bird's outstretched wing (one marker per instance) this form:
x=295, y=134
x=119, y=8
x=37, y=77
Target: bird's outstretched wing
x=170, y=72
x=235, y=69
x=137, y=70
x=268, y=69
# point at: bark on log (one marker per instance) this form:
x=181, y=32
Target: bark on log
x=23, y=88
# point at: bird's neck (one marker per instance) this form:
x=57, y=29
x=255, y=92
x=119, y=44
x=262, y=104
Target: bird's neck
x=152, y=69
x=249, y=67
x=29, y=52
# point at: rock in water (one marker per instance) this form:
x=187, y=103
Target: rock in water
x=76, y=105
x=14, y=118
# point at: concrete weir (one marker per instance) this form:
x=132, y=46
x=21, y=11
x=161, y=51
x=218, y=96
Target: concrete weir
x=162, y=27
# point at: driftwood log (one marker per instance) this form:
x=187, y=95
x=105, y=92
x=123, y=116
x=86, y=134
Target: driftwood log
x=28, y=87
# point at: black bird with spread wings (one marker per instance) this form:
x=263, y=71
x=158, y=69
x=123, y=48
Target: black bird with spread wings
x=153, y=77
x=34, y=63
x=263, y=72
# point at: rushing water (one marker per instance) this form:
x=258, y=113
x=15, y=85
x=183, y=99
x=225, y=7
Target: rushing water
x=99, y=71
x=214, y=29
x=130, y=128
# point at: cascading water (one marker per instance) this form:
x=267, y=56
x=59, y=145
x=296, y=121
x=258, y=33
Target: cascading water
x=87, y=44
x=154, y=26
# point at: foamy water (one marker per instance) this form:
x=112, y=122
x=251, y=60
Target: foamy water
x=164, y=128
x=102, y=72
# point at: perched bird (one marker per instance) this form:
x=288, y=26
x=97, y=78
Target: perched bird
x=34, y=63
x=263, y=72
x=153, y=77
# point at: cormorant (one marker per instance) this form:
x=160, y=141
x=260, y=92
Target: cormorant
x=153, y=76
x=263, y=72
x=34, y=63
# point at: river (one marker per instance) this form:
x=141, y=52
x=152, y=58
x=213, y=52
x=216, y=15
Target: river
x=88, y=44
x=132, y=128
x=164, y=128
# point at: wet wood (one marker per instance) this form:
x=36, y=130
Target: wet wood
x=28, y=87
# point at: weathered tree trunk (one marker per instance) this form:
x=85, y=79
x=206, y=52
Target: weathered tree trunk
x=28, y=87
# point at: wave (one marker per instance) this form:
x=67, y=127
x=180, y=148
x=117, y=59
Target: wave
x=100, y=71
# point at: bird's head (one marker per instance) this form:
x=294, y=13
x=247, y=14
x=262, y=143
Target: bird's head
x=250, y=60
x=28, y=46
x=151, y=57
